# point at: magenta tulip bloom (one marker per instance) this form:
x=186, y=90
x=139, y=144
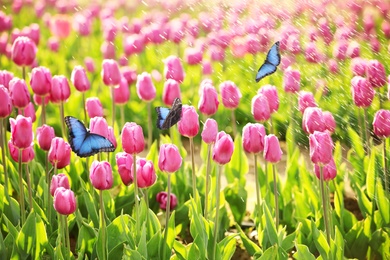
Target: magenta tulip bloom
x=169, y=158
x=19, y=93
x=162, y=198
x=100, y=175
x=272, y=151
x=21, y=131
x=223, y=148
x=329, y=170
x=260, y=108
x=89, y=64
x=79, y=79
x=171, y=91
x=94, y=107
x=321, y=146
x=6, y=102
x=111, y=137
x=253, y=138
x=145, y=88
x=27, y=153
x=122, y=92
x=193, y=56
x=376, y=73
x=45, y=134
x=291, y=80
x=362, y=91
x=210, y=131
x=23, y=51
x=381, y=123
x=5, y=78
x=98, y=125
x=174, y=69
x=330, y=123
x=124, y=161
x=29, y=111
x=130, y=74
x=271, y=94
x=60, y=26
x=59, y=153
x=146, y=175
x=64, y=201
x=207, y=68
x=59, y=180
x=305, y=100
x=110, y=73
x=208, y=102
x=230, y=93
x=189, y=124
x=133, y=140
x=134, y=44
x=60, y=90
x=41, y=81
x=313, y=120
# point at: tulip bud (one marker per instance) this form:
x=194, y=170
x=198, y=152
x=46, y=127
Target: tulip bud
x=329, y=170
x=271, y=94
x=146, y=175
x=173, y=69
x=223, y=148
x=23, y=51
x=253, y=138
x=330, y=123
x=171, y=91
x=321, y=146
x=189, y=124
x=94, y=107
x=98, y=125
x=305, y=100
x=21, y=131
x=376, y=73
x=208, y=102
x=27, y=153
x=122, y=92
x=110, y=73
x=313, y=120
x=59, y=180
x=230, y=93
x=60, y=90
x=162, y=198
x=60, y=26
x=124, y=161
x=260, y=108
x=193, y=56
x=291, y=80
x=130, y=74
x=6, y=104
x=381, y=123
x=29, y=111
x=133, y=141
x=134, y=44
x=41, y=81
x=59, y=153
x=145, y=88
x=19, y=93
x=272, y=151
x=358, y=66
x=89, y=64
x=5, y=78
x=79, y=79
x=362, y=91
x=45, y=134
x=210, y=131
x=100, y=175
x=64, y=201
x=169, y=158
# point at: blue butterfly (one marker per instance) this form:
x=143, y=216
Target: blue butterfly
x=270, y=63
x=166, y=117
x=83, y=142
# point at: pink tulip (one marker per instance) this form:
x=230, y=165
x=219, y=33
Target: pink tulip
x=171, y=91
x=193, y=56
x=260, y=108
x=98, y=125
x=122, y=93
x=100, y=175
x=108, y=50
x=305, y=100
x=210, y=131
x=89, y=64
x=381, y=123
x=230, y=93
x=146, y=175
x=291, y=80
x=134, y=44
x=376, y=73
x=133, y=140
x=388, y=88
x=60, y=90
x=21, y=131
x=79, y=79
x=82, y=24
x=375, y=45
x=64, y=201
x=23, y=51
x=238, y=47
x=271, y=94
x=321, y=146
x=19, y=93
x=217, y=53
x=124, y=161
x=162, y=198
x=208, y=102
x=59, y=153
x=110, y=73
x=27, y=153
x=41, y=81
x=28, y=111
x=353, y=50
x=59, y=180
x=130, y=74
x=189, y=124
x=329, y=170
x=313, y=120
x=358, y=66
x=312, y=54
x=253, y=45
x=169, y=158
x=386, y=28
x=60, y=26
x=53, y=44
x=5, y=78
x=94, y=107
x=111, y=136
x=362, y=92
x=253, y=138
x=145, y=87
x=330, y=123
x=207, y=68
x=45, y=135
x=272, y=151
x=223, y=148
x=174, y=69
x=38, y=100
x=6, y=102
x=340, y=50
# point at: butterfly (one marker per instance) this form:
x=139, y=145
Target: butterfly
x=166, y=117
x=270, y=63
x=84, y=143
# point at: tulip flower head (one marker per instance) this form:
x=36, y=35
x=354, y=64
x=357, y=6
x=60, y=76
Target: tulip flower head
x=133, y=141
x=110, y=73
x=253, y=138
x=171, y=91
x=260, y=108
x=59, y=180
x=189, y=123
x=98, y=125
x=223, y=148
x=162, y=198
x=321, y=146
x=313, y=120
x=6, y=104
x=145, y=87
x=124, y=161
x=79, y=79
x=362, y=91
x=381, y=123
x=169, y=158
x=328, y=170
x=64, y=201
x=146, y=175
x=21, y=131
x=59, y=153
x=210, y=131
x=23, y=51
x=291, y=80
x=272, y=151
x=27, y=153
x=100, y=175
x=122, y=92
x=41, y=81
x=271, y=94
x=94, y=107
x=45, y=134
x=231, y=94
x=305, y=100
x=208, y=102
x=174, y=69
x=60, y=90
x=19, y=93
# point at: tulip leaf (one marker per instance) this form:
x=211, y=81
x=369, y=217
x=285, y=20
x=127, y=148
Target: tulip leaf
x=91, y=207
x=236, y=195
x=41, y=237
x=142, y=245
x=153, y=245
x=249, y=245
x=270, y=254
x=26, y=240
x=382, y=202
x=180, y=250
x=270, y=226
x=117, y=234
x=303, y=252
x=356, y=143
x=371, y=175
x=238, y=166
x=337, y=245
x=320, y=241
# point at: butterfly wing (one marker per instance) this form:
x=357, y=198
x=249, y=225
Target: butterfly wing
x=265, y=70
x=269, y=65
x=162, y=113
x=77, y=133
x=169, y=117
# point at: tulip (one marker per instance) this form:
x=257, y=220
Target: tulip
x=29, y=111
x=134, y=44
x=189, y=124
x=27, y=153
x=208, y=102
x=111, y=136
x=162, y=198
x=381, y=123
x=272, y=151
x=207, y=68
x=60, y=90
x=23, y=51
x=253, y=138
x=82, y=24
x=98, y=125
x=100, y=175
x=312, y=54
x=171, y=91
x=340, y=50
x=19, y=93
x=108, y=50
x=260, y=108
x=64, y=201
x=53, y=44
x=321, y=146
x=313, y=120
x=41, y=81
x=353, y=50
x=223, y=148
x=94, y=107
x=330, y=123
x=110, y=73
x=6, y=102
x=124, y=162
x=145, y=88
x=271, y=94
x=38, y=100
x=60, y=26
x=376, y=73
x=21, y=131
x=89, y=64
x=306, y=99
x=193, y=56
x=230, y=93
x=59, y=153
x=130, y=74
x=133, y=141
x=358, y=66
x=217, y=53
x=146, y=175
x=59, y=180
x=79, y=79
x=329, y=170
x=291, y=80
x=5, y=78
x=45, y=134
x=169, y=158
x=210, y=131
x=362, y=92
x=174, y=69
x=122, y=93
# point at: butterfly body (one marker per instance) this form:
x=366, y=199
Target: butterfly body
x=166, y=117
x=270, y=64
x=83, y=142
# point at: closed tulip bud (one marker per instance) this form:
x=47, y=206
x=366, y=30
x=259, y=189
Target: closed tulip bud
x=23, y=51
x=169, y=158
x=110, y=73
x=59, y=180
x=41, y=81
x=59, y=153
x=6, y=102
x=210, y=131
x=27, y=153
x=38, y=100
x=133, y=140
x=208, y=102
x=253, y=138
x=381, y=123
x=100, y=175
x=45, y=134
x=130, y=74
x=329, y=170
x=82, y=24
x=122, y=93
x=111, y=137
x=189, y=124
x=171, y=91
x=79, y=79
x=217, y=53
x=60, y=90
x=362, y=91
x=60, y=26
x=98, y=125
x=388, y=88
x=330, y=123
x=134, y=44
x=19, y=93
x=108, y=50
x=145, y=88
x=94, y=107
x=353, y=50
x=64, y=201
x=174, y=69
x=207, y=68
x=193, y=56
x=333, y=66
x=305, y=100
x=89, y=64
x=271, y=94
x=291, y=80
x=162, y=198
x=29, y=111
x=230, y=93
x=358, y=66
x=21, y=131
x=376, y=73
x=223, y=148
x=146, y=175
x=312, y=54
x=340, y=50
x=260, y=108
x=321, y=146
x=124, y=161
x=53, y=44
x=272, y=151
x=313, y=120
x=5, y=78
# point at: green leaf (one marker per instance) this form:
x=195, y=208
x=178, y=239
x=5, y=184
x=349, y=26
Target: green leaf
x=180, y=250
x=356, y=141
x=25, y=241
x=227, y=247
x=3, y=249
x=41, y=237
x=320, y=241
x=371, y=175
x=170, y=236
x=383, y=202
x=337, y=245
x=236, y=195
x=90, y=204
x=288, y=241
x=249, y=245
x=142, y=246
x=303, y=252
x=357, y=239
x=117, y=234
x=238, y=166
x=270, y=226
x=270, y=254
x=194, y=253
x=153, y=245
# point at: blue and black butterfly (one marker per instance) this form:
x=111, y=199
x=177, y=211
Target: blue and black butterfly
x=166, y=118
x=270, y=63
x=83, y=142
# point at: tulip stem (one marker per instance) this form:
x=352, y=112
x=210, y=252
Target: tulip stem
x=29, y=188
x=3, y=153
x=21, y=188
x=324, y=205
x=258, y=193
x=66, y=229
x=103, y=226
x=385, y=166
x=43, y=110
x=168, y=212
x=234, y=123
x=367, y=131
x=85, y=110
x=62, y=113
x=135, y=193
x=24, y=72
x=208, y=167
x=217, y=202
x=150, y=125
x=193, y=170
x=122, y=110
x=113, y=107
x=276, y=195
x=48, y=208
x=271, y=125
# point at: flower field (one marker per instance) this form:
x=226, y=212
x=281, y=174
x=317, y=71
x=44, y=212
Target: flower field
x=186, y=129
